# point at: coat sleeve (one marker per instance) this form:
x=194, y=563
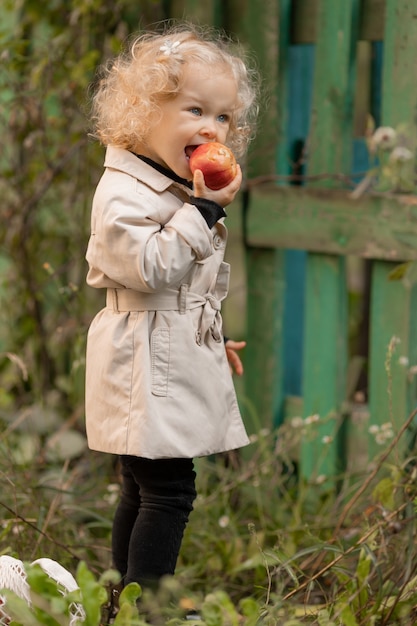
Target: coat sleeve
x=141, y=239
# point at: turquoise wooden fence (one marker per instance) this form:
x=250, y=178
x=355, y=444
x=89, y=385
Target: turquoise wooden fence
x=358, y=58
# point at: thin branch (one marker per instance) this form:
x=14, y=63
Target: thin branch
x=38, y=530
x=296, y=178
x=353, y=548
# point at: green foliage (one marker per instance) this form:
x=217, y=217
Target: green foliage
x=44, y=191
x=256, y=550
x=48, y=170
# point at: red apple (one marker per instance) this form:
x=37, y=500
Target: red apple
x=216, y=161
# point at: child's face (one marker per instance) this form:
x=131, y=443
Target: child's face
x=200, y=113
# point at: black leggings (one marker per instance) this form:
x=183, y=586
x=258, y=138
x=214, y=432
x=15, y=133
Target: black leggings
x=156, y=501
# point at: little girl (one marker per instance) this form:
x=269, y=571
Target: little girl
x=159, y=389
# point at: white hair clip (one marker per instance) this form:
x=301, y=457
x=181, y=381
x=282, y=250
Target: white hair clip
x=170, y=47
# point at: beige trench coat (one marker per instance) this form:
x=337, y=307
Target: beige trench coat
x=158, y=384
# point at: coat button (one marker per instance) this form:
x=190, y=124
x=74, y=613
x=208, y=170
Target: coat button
x=218, y=242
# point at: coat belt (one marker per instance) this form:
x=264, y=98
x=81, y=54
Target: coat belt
x=182, y=300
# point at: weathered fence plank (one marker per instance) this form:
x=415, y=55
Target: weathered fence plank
x=393, y=349
x=329, y=221
x=325, y=356
x=263, y=25
x=371, y=26
x=392, y=392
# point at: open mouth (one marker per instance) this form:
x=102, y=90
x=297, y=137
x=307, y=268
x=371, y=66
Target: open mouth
x=189, y=150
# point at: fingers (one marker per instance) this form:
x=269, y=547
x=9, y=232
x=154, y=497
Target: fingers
x=233, y=357
x=222, y=196
x=234, y=362
x=198, y=184
x=235, y=345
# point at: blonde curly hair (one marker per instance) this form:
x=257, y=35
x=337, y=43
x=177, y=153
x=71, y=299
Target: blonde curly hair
x=129, y=88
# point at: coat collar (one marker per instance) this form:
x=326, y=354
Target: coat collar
x=127, y=162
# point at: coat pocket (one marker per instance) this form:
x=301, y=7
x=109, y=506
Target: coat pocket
x=160, y=351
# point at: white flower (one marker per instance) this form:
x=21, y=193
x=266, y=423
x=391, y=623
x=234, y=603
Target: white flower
x=311, y=419
x=381, y=433
x=170, y=47
x=384, y=138
x=297, y=422
x=403, y=360
x=224, y=521
x=112, y=495
x=380, y=439
x=327, y=439
x=386, y=426
x=400, y=155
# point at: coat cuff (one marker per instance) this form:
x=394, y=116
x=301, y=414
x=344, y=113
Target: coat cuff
x=210, y=210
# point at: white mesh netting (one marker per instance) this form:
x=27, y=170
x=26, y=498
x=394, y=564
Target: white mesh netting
x=13, y=577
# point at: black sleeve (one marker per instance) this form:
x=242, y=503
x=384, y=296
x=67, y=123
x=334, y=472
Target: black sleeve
x=210, y=210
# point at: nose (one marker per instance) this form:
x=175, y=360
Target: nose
x=209, y=129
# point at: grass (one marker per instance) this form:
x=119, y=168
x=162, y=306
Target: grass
x=261, y=543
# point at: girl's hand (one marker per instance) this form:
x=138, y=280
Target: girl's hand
x=222, y=196
x=233, y=357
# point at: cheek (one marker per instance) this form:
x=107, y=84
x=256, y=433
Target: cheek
x=223, y=134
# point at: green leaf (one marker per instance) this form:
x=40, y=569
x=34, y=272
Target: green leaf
x=19, y=610
x=383, y=493
x=347, y=615
x=128, y=614
x=399, y=271
x=93, y=595
x=218, y=609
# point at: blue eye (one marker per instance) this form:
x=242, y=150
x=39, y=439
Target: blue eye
x=223, y=118
x=195, y=111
